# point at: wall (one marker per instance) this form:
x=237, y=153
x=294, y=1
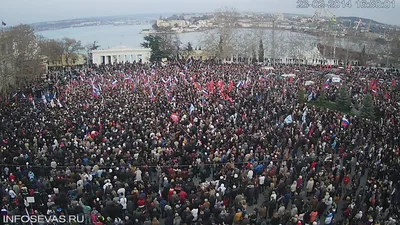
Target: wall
x=120, y=55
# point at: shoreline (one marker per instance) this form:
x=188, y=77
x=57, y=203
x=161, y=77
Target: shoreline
x=313, y=34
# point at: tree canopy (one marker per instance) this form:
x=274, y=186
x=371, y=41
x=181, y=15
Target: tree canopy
x=162, y=46
x=20, y=57
x=23, y=53
x=343, y=99
x=368, y=110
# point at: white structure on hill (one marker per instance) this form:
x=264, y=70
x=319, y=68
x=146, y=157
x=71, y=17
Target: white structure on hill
x=120, y=54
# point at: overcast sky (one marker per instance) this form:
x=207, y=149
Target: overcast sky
x=31, y=11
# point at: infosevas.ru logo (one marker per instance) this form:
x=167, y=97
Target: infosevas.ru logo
x=33, y=219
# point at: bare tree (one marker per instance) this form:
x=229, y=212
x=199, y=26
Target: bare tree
x=277, y=46
x=188, y=50
x=89, y=48
x=7, y=73
x=176, y=46
x=71, y=48
x=21, y=57
x=395, y=48
x=52, y=49
x=298, y=46
x=220, y=41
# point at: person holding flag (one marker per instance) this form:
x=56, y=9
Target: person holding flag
x=345, y=122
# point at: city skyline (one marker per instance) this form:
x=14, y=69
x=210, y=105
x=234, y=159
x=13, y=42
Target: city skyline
x=27, y=12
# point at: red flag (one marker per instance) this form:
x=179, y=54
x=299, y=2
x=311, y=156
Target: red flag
x=373, y=85
x=394, y=82
x=174, y=117
x=291, y=79
x=230, y=87
x=211, y=87
x=196, y=85
x=220, y=84
x=229, y=99
x=386, y=95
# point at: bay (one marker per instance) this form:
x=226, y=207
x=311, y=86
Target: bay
x=129, y=35
x=112, y=36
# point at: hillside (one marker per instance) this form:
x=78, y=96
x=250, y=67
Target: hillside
x=356, y=19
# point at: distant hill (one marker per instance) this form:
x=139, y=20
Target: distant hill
x=356, y=19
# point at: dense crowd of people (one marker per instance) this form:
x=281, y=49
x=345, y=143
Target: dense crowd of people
x=200, y=143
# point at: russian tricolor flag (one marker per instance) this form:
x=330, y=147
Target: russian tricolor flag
x=240, y=84
x=326, y=84
x=114, y=84
x=345, y=122
x=95, y=92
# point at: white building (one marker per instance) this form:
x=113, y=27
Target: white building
x=172, y=23
x=120, y=54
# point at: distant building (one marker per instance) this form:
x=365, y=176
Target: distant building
x=280, y=17
x=171, y=23
x=120, y=54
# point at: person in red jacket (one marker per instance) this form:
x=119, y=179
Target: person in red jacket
x=182, y=194
x=12, y=177
x=346, y=180
x=141, y=202
x=170, y=193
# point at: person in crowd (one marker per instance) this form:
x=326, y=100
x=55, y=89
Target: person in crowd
x=201, y=143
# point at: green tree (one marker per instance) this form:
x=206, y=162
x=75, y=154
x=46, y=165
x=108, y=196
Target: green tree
x=343, y=100
x=154, y=43
x=368, y=110
x=189, y=47
x=261, y=51
x=322, y=97
x=154, y=26
x=254, y=57
x=363, y=57
x=301, y=96
x=162, y=46
x=220, y=47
